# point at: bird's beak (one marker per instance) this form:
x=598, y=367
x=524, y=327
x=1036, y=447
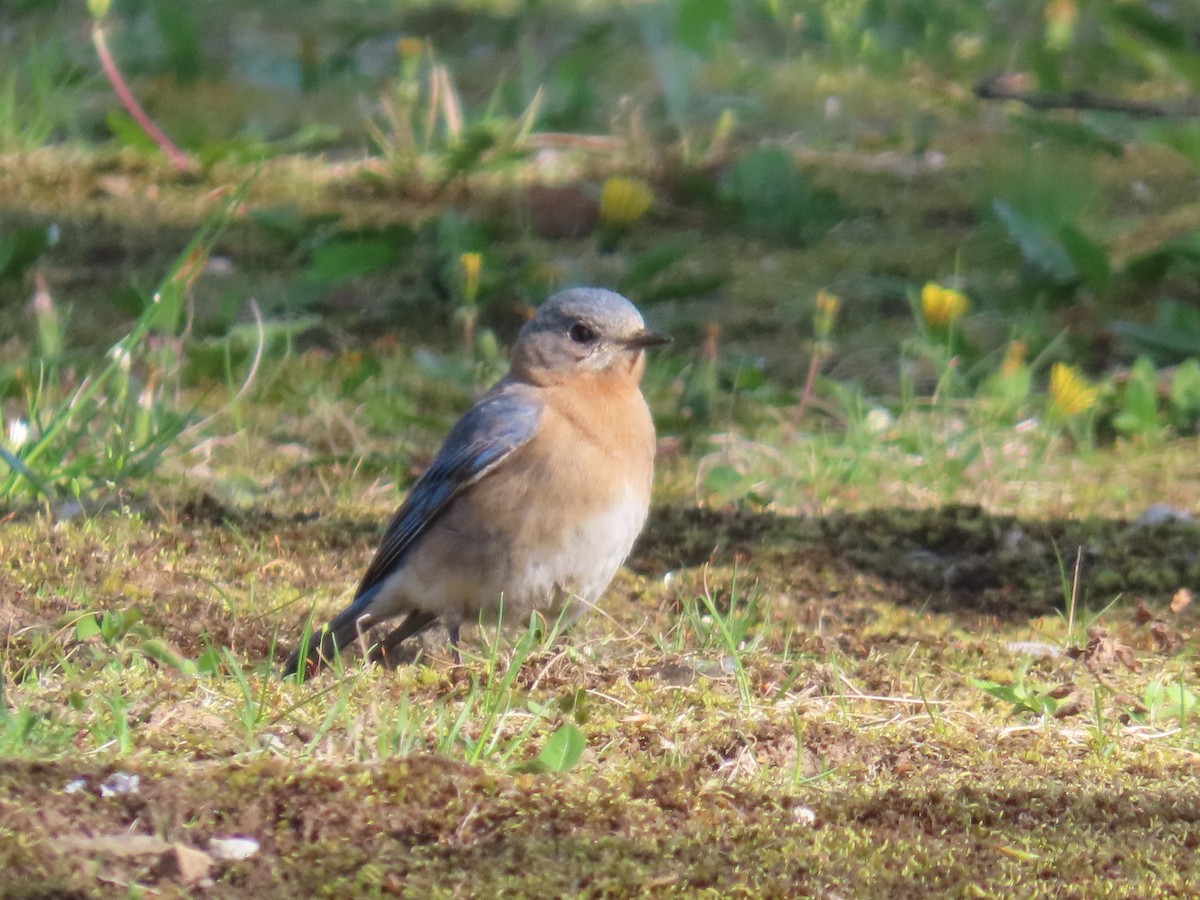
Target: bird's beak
x=644, y=339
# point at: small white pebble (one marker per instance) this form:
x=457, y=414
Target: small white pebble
x=75, y=785
x=878, y=420
x=804, y=815
x=118, y=784
x=1013, y=538
x=219, y=265
x=232, y=847
x=1162, y=514
x=1036, y=649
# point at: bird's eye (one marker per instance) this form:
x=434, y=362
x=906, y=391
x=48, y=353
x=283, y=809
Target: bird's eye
x=582, y=334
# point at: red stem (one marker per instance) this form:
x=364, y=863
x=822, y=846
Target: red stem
x=814, y=366
x=178, y=158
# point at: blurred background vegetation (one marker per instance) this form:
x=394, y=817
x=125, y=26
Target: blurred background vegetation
x=853, y=214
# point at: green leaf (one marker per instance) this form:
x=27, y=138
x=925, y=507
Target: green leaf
x=563, y=750
x=166, y=655
x=129, y=133
x=466, y=155
x=776, y=199
x=209, y=662
x=1021, y=698
x=1175, y=334
x=87, y=627
x=724, y=480
x=1079, y=135
x=1139, y=406
x=1170, y=701
x=370, y=368
x=20, y=249
x=1161, y=31
x=1040, y=248
x=290, y=224
x=645, y=266
x=703, y=23
x=1154, y=265
x=1185, y=395
x=748, y=378
x=1181, y=136
x=1089, y=257
x=575, y=704
x=116, y=623
x=351, y=258
x=180, y=37
x=17, y=464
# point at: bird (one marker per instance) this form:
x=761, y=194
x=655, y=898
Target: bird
x=534, y=500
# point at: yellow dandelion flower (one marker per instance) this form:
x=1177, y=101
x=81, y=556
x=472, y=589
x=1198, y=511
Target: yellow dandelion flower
x=942, y=306
x=471, y=264
x=409, y=47
x=1014, y=358
x=1070, y=392
x=1061, y=18
x=825, y=312
x=410, y=50
x=624, y=200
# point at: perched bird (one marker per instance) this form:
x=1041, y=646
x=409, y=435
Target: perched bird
x=537, y=495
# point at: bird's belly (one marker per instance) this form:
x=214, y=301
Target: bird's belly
x=464, y=570
x=576, y=563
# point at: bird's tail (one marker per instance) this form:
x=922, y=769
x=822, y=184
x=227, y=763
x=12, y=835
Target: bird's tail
x=321, y=647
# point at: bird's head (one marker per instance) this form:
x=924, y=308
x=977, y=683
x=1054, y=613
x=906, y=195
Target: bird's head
x=583, y=330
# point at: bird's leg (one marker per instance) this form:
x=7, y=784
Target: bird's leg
x=414, y=623
x=453, y=630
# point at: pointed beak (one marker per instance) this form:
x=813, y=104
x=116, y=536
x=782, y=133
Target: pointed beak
x=644, y=339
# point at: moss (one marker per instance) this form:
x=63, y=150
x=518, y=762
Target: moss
x=339, y=827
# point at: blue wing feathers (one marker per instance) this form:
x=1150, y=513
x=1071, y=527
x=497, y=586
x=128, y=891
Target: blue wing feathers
x=501, y=422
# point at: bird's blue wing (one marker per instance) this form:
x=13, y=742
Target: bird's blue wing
x=498, y=425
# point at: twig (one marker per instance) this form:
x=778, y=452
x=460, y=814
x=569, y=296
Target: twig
x=259, y=350
x=814, y=366
x=1074, y=592
x=997, y=87
x=179, y=159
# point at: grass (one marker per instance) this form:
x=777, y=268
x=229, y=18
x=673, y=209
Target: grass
x=899, y=622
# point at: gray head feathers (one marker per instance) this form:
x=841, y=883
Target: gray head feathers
x=583, y=329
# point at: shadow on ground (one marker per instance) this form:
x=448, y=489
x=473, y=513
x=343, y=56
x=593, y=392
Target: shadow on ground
x=189, y=571
x=948, y=559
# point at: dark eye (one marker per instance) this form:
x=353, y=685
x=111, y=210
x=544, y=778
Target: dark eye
x=582, y=334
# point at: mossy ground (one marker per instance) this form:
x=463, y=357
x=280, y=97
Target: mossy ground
x=850, y=756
